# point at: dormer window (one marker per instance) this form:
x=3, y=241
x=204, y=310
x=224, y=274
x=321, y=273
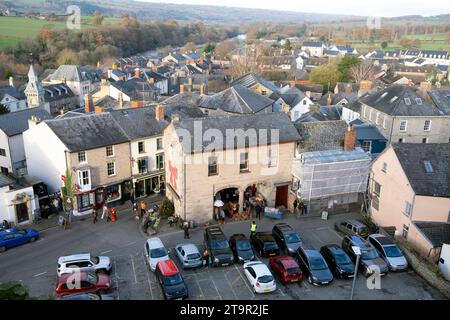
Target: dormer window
x=407, y=101
x=428, y=166
x=419, y=101
x=393, y=99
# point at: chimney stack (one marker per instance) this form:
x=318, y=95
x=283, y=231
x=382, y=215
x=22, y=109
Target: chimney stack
x=88, y=103
x=159, y=113
x=202, y=89
x=190, y=84
x=99, y=109
x=181, y=88
x=426, y=85
x=11, y=81
x=350, y=139
x=33, y=121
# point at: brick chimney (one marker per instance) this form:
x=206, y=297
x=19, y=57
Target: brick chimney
x=350, y=139
x=99, y=109
x=159, y=113
x=88, y=103
x=365, y=85
x=137, y=104
x=181, y=88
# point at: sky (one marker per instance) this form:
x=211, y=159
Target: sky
x=382, y=8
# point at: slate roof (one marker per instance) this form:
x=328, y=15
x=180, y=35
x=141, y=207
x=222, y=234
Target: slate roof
x=301, y=75
x=88, y=131
x=312, y=44
x=72, y=73
x=15, y=123
x=412, y=156
x=135, y=88
x=13, y=92
x=437, y=233
x=266, y=121
x=185, y=99
x=155, y=75
x=138, y=122
x=319, y=136
x=237, y=99
x=310, y=87
x=56, y=92
x=250, y=79
x=441, y=99
x=393, y=101
x=293, y=96
x=325, y=113
x=368, y=132
x=354, y=106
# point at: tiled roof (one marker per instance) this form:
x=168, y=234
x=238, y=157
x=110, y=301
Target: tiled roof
x=17, y=122
x=437, y=233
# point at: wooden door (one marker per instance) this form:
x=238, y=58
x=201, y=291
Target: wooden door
x=281, y=196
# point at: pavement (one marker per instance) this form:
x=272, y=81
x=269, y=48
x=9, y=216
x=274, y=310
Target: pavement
x=123, y=242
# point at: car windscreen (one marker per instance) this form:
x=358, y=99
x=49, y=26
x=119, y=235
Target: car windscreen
x=158, y=253
x=292, y=238
x=392, y=251
x=219, y=244
x=369, y=254
x=270, y=245
x=95, y=260
x=292, y=271
x=243, y=245
x=342, y=258
x=265, y=279
x=318, y=264
x=172, y=280
x=193, y=256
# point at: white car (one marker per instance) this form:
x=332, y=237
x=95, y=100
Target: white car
x=259, y=276
x=154, y=252
x=389, y=251
x=83, y=262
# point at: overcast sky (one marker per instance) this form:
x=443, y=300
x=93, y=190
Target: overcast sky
x=385, y=8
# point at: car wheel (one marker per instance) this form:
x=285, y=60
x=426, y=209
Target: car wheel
x=2, y=249
x=32, y=239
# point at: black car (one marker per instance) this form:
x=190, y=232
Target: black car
x=338, y=261
x=242, y=248
x=217, y=244
x=265, y=244
x=286, y=237
x=313, y=266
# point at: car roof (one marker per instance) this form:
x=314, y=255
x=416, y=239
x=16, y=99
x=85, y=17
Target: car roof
x=382, y=239
x=215, y=232
x=167, y=267
x=75, y=257
x=334, y=248
x=311, y=252
x=188, y=247
x=360, y=242
x=261, y=269
x=265, y=236
x=155, y=243
x=283, y=226
x=239, y=236
x=288, y=262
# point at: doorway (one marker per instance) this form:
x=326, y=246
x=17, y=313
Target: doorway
x=281, y=196
x=22, y=212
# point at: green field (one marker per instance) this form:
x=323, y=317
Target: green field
x=15, y=29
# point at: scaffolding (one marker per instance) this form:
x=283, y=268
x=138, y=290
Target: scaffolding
x=329, y=173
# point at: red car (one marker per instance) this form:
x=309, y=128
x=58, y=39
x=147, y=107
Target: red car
x=82, y=282
x=286, y=268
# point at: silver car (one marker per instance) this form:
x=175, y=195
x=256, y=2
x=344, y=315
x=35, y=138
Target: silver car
x=389, y=252
x=188, y=255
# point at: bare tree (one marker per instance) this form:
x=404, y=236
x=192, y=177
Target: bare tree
x=362, y=71
x=247, y=60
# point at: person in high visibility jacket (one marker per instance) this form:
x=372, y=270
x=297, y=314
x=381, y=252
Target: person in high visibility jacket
x=253, y=229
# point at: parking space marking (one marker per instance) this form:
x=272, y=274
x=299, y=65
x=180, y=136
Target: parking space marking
x=231, y=285
x=148, y=276
x=131, y=243
x=116, y=279
x=202, y=295
x=214, y=283
x=40, y=274
x=105, y=252
x=134, y=269
x=245, y=282
x=317, y=237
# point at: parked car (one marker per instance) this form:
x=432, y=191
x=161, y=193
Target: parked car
x=83, y=262
x=241, y=248
x=286, y=237
x=89, y=282
x=171, y=281
x=265, y=244
x=188, y=255
x=370, y=261
x=154, y=252
x=217, y=244
x=286, y=268
x=338, y=261
x=389, y=251
x=87, y=296
x=11, y=238
x=314, y=266
x=259, y=276
x=352, y=227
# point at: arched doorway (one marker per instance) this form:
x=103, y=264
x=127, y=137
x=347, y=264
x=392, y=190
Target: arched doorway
x=230, y=199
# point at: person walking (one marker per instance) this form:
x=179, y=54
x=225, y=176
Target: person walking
x=305, y=207
x=186, y=230
x=206, y=257
x=302, y=207
x=295, y=205
x=143, y=208
x=94, y=214
x=222, y=216
x=253, y=228
x=258, y=210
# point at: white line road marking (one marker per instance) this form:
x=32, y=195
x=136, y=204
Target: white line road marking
x=104, y=252
x=231, y=285
x=129, y=244
x=116, y=278
x=245, y=281
x=134, y=269
x=216, y=289
x=40, y=274
x=198, y=284
x=317, y=237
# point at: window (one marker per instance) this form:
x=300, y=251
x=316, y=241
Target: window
x=141, y=147
x=272, y=158
x=212, y=166
x=370, y=115
x=84, y=178
x=428, y=166
x=377, y=188
x=377, y=118
x=142, y=165
x=243, y=163
x=403, y=125
x=408, y=208
x=159, y=144
x=366, y=145
x=384, y=122
x=427, y=125
x=4, y=170
x=424, y=140
x=2, y=152
x=82, y=156
x=304, y=102
x=408, y=101
x=111, y=168
x=384, y=167
x=405, y=231
x=419, y=101
x=109, y=151
x=160, y=161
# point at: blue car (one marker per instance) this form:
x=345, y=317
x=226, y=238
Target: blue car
x=15, y=237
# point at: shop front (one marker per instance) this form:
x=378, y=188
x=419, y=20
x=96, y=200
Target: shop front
x=149, y=185
x=85, y=201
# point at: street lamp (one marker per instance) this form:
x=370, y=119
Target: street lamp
x=357, y=251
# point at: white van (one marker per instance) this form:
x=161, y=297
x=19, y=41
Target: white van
x=154, y=252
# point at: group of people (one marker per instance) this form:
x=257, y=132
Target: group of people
x=139, y=209
x=106, y=212
x=300, y=206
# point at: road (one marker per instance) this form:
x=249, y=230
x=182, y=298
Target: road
x=35, y=264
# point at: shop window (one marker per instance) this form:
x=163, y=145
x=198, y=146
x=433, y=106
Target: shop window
x=109, y=151
x=111, y=168
x=85, y=202
x=160, y=161
x=113, y=193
